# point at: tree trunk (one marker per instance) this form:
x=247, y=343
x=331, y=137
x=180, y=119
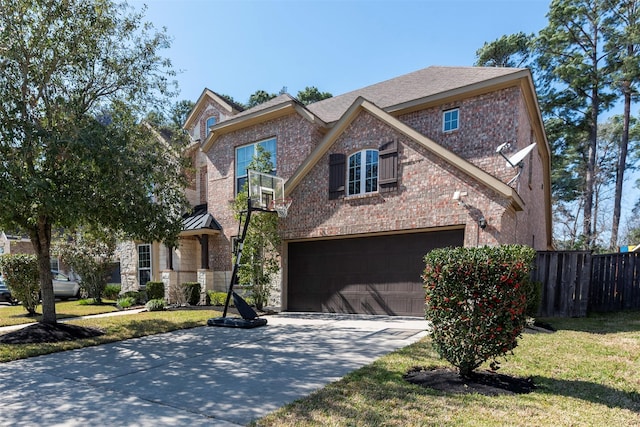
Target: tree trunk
x=622, y=164
x=587, y=229
x=41, y=241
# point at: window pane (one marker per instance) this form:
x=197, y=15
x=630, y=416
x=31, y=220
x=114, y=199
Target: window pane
x=210, y=122
x=144, y=276
x=450, y=119
x=371, y=180
x=240, y=182
x=243, y=158
x=354, y=173
x=270, y=146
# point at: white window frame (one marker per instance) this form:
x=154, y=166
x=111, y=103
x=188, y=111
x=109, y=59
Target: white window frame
x=448, y=120
x=148, y=268
x=362, y=167
x=245, y=176
x=207, y=131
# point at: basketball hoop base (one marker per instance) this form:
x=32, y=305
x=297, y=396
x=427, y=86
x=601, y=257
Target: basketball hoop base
x=237, y=322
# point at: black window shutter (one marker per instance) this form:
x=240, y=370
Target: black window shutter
x=337, y=173
x=388, y=167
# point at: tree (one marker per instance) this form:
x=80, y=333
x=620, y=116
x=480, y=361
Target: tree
x=76, y=77
x=623, y=41
x=260, y=260
x=180, y=112
x=90, y=253
x=311, y=94
x=508, y=51
x=573, y=82
x=259, y=97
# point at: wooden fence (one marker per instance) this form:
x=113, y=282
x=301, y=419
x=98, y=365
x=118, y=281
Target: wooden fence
x=576, y=282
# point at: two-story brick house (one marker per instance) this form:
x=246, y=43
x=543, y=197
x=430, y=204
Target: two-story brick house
x=378, y=177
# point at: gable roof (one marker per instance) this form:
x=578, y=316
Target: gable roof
x=232, y=108
x=361, y=104
x=416, y=88
x=277, y=107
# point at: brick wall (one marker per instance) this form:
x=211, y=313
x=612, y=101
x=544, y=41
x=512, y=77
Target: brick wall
x=486, y=121
x=296, y=137
x=422, y=201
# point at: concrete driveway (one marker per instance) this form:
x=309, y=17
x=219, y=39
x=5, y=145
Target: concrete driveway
x=206, y=376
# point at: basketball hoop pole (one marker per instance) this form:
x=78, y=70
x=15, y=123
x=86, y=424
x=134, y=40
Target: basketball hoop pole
x=249, y=317
x=236, y=265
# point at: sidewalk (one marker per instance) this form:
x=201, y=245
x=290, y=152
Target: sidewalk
x=205, y=376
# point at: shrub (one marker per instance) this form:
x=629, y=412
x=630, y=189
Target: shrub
x=126, y=302
x=156, y=304
x=476, y=301
x=22, y=278
x=139, y=297
x=155, y=290
x=111, y=291
x=89, y=253
x=217, y=298
x=192, y=292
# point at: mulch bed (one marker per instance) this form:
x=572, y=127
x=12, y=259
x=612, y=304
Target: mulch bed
x=48, y=333
x=487, y=383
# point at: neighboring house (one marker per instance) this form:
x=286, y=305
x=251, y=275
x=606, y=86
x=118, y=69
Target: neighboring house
x=16, y=243
x=378, y=177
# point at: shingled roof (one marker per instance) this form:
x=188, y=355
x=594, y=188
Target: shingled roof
x=409, y=87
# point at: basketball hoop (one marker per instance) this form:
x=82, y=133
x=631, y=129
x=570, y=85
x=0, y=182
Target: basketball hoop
x=281, y=206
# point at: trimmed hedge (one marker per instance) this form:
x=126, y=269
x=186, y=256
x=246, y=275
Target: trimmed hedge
x=155, y=290
x=476, y=299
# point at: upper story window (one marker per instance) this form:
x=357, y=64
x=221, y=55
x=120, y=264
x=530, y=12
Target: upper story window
x=450, y=120
x=246, y=153
x=210, y=122
x=363, y=172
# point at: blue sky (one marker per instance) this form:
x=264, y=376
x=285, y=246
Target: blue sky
x=238, y=47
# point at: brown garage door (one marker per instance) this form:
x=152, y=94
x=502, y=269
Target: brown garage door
x=373, y=275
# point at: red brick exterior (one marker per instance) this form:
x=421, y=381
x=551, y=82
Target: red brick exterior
x=296, y=137
x=423, y=199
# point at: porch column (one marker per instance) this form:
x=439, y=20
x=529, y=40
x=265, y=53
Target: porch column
x=170, y=280
x=169, y=257
x=204, y=251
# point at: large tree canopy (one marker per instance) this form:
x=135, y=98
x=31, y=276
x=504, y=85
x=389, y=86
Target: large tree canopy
x=76, y=76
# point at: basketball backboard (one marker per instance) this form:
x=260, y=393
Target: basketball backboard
x=264, y=189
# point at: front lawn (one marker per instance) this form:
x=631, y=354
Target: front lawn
x=17, y=315
x=117, y=328
x=586, y=373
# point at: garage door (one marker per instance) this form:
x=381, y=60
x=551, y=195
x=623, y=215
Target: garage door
x=372, y=275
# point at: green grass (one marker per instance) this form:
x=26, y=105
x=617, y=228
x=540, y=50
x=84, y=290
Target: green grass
x=587, y=374
x=17, y=315
x=117, y=328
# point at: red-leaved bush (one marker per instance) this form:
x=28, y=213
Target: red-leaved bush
x=476, y=300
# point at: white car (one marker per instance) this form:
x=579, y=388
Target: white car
x=63, y=287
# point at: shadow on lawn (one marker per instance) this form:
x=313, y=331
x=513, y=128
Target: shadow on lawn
x=599, y=323
x=589, y=391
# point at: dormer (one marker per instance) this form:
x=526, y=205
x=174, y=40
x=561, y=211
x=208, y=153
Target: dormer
x=209, y=110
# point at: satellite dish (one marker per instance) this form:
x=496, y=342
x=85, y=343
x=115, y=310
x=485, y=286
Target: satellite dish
x=502, y=147
x=517, y=158
x=515, y=161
